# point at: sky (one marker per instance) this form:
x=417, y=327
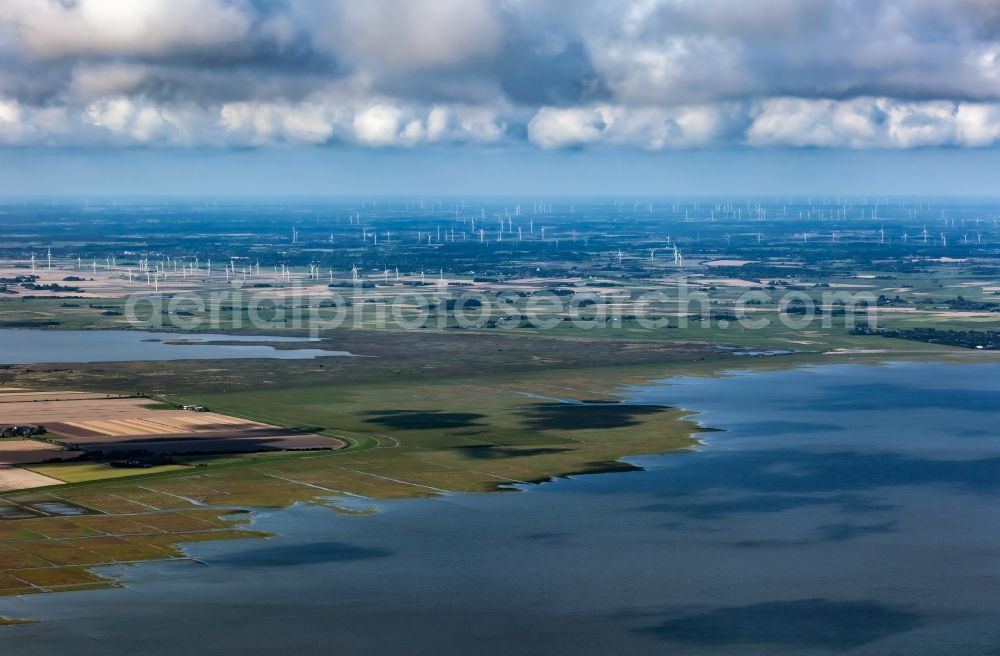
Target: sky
x=499, y=96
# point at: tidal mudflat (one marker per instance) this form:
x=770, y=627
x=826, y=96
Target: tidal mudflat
x=845, y=509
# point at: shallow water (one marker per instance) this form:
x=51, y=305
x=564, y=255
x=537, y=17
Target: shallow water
x=19, y=346
x=845, y=510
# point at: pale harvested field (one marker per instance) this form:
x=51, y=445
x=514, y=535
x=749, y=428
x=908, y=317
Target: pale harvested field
x=95, y=423
x=15, y=395
x=166, y=422
x=15, y=478
x=70, y=407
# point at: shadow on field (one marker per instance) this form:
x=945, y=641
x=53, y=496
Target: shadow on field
x=494, y=452
x=571, y=416
x=423, y=419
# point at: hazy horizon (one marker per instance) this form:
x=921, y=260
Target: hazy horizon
x=452, y=171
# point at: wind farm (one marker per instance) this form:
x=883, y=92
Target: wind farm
x=496, y=327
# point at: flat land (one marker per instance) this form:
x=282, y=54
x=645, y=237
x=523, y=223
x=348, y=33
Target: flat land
x=15, y=478
x=18, y=451
x=444, y=408
x=465, y=434
x=107, y=424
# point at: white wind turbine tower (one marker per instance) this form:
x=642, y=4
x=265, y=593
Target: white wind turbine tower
x=49, y=256
x=619, y=256
x=354, y=273
x=924, y=234
x=881, y=235
x=944, y=240
x=652, y=254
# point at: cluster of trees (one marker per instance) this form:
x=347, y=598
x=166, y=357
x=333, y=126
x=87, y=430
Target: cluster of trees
x=22, y=431
x=52, y=287
x=973, y=339
x=962, y=303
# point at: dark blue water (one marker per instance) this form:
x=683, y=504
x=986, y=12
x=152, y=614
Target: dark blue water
x=846, y=510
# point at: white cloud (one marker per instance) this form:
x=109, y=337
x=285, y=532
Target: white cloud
x=378, y=125
x=978, y=124
x=821, y=123
x=873, y=123
x=132, y=120
x=11, y=126
x=647, y=128
x=51, y=28
x=266, y=123
x=554, y=127
x=649, y=74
